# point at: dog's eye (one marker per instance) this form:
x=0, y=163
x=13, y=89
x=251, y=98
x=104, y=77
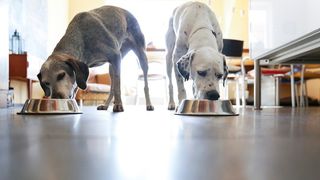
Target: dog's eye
x=202, y=73
x=46, y=84
x=219, y=76
x=61, y=76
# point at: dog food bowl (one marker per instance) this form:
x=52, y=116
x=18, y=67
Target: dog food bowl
x=203, y=107
x=50, y=106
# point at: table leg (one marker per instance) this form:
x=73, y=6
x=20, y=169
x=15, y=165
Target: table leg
x=257, y=85
x=29, y=86
x=292, y=85
x=277, y=95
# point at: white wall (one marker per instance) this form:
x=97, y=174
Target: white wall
x=4, y=51
x=274, y=23
x=76, y=6
x=4, y=44
x=235, y=20
x=57, y=24
x=57, y=21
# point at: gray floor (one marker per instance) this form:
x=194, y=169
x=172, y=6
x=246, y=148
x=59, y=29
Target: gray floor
x=275, y=143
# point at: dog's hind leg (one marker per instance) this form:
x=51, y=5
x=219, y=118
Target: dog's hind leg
x=144, y=66
x=110, y=97
x=170, y=43
x=116, y=66
x=137, y=42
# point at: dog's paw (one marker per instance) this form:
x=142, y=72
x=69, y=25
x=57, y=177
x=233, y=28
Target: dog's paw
x=171, y=107
x=102, y=107
x=150, y=108
x=117, y=108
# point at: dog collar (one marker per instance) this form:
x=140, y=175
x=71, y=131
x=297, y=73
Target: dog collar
x=214, y=33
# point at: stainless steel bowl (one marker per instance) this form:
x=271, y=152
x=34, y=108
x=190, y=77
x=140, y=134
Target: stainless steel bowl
x=50, y=106
x=203, y=107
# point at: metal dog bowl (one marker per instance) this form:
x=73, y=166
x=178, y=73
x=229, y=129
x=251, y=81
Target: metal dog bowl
x=50, y=106
x=203, y=107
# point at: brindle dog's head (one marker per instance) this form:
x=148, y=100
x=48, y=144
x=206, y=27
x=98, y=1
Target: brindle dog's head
x=61, y=74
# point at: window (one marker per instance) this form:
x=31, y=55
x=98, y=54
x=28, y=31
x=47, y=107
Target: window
x=152, y=15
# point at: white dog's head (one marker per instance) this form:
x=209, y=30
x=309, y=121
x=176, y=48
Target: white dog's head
x=61, y=74
x=206, y=67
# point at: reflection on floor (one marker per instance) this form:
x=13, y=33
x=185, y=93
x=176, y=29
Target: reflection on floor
x=275, y=143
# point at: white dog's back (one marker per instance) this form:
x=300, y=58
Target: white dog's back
x=197, y=15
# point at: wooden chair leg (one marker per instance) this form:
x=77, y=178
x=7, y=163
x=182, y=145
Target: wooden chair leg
x=305, y=93
x=243, y=91
x=237, y=92
x=296, y=95
x=29, y=88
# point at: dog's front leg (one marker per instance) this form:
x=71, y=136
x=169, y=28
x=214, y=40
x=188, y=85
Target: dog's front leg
x=105, y=106
x=170, y=44
x=180, y=85
x=178, y=53
x=169, y=63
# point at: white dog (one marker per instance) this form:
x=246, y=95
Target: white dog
x=194, y=44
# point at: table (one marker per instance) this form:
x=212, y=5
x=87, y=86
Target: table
x=18, y=70
x=304, y=50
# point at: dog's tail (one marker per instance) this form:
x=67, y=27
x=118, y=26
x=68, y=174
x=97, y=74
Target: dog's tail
x=134, y=29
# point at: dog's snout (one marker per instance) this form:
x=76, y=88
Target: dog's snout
x=212, y=95
x=57, y=96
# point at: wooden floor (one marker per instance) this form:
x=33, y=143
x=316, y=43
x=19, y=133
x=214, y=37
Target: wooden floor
x=274, y=143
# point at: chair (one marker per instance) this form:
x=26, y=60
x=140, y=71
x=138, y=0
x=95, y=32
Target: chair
x=303, y=73
x=98, y=89
x=233, y=50
x=156, y=74
x=277, y=73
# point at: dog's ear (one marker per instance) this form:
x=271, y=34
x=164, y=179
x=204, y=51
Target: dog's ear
x=225, y=70
x=81, y=70
x=43, y=86
x=184, y=65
